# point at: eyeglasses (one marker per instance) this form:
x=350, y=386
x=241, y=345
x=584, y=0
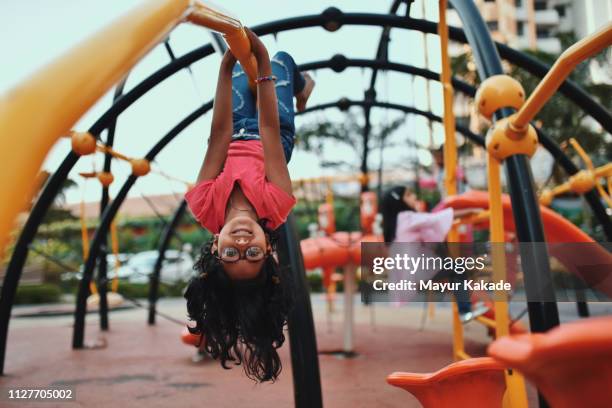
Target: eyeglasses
x=231, y=254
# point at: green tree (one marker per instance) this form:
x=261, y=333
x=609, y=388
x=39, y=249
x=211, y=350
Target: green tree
x=350, y=133
x=57, y=212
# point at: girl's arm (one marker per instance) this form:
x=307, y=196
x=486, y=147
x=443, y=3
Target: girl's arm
x=221, y=128
x=269, y=124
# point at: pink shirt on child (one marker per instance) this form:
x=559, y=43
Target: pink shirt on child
x=423, y=227
x=244, y=165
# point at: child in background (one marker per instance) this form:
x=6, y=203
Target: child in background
x=402, y=223
x=240, y=299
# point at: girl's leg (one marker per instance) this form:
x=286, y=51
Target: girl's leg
x=289, y=83
x=243, y=101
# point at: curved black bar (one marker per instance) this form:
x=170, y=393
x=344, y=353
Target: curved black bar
x=339, y=63
x=382, y=53
x=21, y=250
x=525, y=205
x=302, y=337
x=149, y=83
x=164, y=242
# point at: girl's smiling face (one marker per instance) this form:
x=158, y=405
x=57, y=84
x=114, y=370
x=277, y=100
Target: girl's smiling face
x=244, y=238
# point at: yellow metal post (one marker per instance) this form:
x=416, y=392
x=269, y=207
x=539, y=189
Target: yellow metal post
x=60, y=93
x=450, y=146
x=515, y=395
x=450, y=158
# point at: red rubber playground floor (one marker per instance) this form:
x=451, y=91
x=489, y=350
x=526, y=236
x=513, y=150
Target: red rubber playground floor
x=148, y=366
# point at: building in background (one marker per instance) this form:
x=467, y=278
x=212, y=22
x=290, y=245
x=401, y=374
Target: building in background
x=584, y=17
x=523, y=24
x=536, y=24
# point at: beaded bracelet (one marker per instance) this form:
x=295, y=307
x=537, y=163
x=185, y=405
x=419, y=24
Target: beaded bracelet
x=265, y=78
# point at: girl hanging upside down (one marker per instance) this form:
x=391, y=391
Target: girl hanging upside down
x=240, y=300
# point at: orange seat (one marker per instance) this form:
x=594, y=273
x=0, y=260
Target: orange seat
x=188, y=338
x=476, y=382
x=571, y=365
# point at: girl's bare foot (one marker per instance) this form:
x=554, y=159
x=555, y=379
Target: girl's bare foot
x=303, y=96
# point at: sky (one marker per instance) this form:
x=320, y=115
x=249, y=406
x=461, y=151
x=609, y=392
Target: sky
x=36, y=32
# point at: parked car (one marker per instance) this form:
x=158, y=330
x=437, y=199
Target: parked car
x=110, y=270
x=177, y=266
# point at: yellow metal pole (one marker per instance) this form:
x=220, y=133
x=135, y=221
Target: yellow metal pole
x=84, y=232
x=574, y=55
x=450, y=146
x=85, y=238
x=329, y=194
x=234, y=34
x=431, y=307
x=450, y=158
x=583, y=155
x=60, y=93
x=516, y=395
x=212, y=19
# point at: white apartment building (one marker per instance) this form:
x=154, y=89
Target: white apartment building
x=535, y=24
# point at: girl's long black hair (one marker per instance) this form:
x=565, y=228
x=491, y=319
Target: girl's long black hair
x=391, y=205
x=241, y=321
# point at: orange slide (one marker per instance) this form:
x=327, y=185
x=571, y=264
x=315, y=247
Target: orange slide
x=576, y=250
